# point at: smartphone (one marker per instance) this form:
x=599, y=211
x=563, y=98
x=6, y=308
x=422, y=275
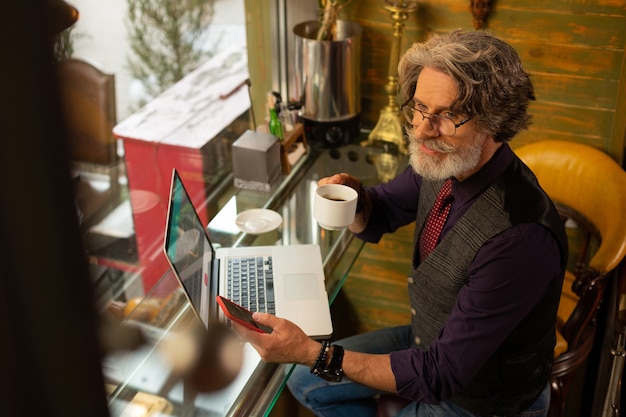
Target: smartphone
x=238, y=314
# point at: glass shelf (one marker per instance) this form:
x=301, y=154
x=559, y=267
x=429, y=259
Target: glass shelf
x=143, y=379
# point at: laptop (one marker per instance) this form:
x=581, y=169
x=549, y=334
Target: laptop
x=287, y=281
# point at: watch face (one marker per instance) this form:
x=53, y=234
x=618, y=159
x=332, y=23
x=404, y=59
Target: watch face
x=331, y=375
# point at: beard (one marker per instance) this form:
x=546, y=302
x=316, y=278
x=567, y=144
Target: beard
x=451, y=161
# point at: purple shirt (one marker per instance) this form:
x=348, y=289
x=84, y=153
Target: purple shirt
x=509, y=275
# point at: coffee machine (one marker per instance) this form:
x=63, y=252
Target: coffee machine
x=328, y=75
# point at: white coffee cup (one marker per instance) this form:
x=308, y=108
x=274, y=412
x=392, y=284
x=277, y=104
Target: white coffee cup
x=334, y=206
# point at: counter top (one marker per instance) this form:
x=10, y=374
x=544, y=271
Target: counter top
x=260, y=384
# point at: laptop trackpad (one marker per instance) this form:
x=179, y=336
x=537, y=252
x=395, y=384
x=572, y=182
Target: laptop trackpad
x=301, y=287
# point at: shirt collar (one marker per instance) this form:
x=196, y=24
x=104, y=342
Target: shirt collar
x=469, y=189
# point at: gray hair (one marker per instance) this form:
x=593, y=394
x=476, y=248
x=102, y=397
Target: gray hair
x=493, y=87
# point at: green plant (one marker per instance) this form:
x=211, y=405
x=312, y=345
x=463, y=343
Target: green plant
x=164, y=38
x=63, y=47
x=329, y=12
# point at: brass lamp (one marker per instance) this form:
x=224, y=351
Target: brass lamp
x=389, y=125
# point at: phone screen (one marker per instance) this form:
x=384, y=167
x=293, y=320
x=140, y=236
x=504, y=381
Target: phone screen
x=237, y=313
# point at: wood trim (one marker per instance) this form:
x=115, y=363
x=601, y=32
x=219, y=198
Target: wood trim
x=617, y=145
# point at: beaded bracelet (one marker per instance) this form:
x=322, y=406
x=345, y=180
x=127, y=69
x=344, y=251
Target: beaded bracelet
x=320, y=362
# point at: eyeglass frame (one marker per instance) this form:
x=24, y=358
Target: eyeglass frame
x=421, y=112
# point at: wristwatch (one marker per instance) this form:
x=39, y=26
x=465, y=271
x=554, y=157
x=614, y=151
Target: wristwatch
x=333, y=372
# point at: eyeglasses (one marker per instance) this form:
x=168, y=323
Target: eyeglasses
x=442, y=124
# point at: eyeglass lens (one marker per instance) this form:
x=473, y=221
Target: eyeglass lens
x=442, y=124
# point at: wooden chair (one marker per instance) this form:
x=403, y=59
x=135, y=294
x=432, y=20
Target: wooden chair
x=589, y=190
x=88, y=101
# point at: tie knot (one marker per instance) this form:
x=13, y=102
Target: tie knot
x=445, y=193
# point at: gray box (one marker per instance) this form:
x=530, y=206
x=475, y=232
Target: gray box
x=256, y=161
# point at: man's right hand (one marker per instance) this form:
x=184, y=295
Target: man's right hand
x=362, y=217
x=343, y=178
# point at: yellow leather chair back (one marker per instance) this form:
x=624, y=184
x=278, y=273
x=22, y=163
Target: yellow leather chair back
x=582, y=178
x=589, y=181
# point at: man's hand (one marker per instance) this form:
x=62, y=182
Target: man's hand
x=363, y=215
x=289, y=344
x=286, y=344
x=343, y=178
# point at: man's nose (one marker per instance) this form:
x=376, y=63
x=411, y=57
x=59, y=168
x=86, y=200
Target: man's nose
x=427, y=129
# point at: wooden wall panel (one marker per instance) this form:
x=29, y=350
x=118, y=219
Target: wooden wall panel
x=573, y=120
x=596, y=31
x=376, y=287
x=575, y=90
x=573, y=49
x=569, y=60
x=569, y=6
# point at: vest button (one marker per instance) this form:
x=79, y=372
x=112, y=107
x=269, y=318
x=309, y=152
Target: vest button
x=410, y=280
x=413, y=312
x=418, y=341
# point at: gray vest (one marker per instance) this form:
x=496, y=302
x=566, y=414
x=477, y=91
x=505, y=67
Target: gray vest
x=517, y=373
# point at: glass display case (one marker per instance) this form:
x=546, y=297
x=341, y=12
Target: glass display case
x=143, y=381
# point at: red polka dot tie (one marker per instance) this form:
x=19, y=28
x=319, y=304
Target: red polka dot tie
x=436, y=219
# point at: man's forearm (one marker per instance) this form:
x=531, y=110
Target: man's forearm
x=371, y=370
x=367, y=369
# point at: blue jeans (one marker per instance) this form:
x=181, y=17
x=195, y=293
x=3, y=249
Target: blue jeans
x=346, y=398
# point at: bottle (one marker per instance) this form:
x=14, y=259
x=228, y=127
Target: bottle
x=286, y=117
x=276, y=128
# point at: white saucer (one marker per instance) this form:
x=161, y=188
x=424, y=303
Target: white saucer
x=257, y=221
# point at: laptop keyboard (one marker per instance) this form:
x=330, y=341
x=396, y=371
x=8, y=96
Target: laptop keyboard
x=251, y=283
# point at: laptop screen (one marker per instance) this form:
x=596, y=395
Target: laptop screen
x=189, y=251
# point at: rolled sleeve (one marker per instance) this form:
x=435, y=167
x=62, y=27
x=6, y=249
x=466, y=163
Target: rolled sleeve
x=394, y=205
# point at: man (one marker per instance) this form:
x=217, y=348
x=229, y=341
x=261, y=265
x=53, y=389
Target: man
x=485, y=291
